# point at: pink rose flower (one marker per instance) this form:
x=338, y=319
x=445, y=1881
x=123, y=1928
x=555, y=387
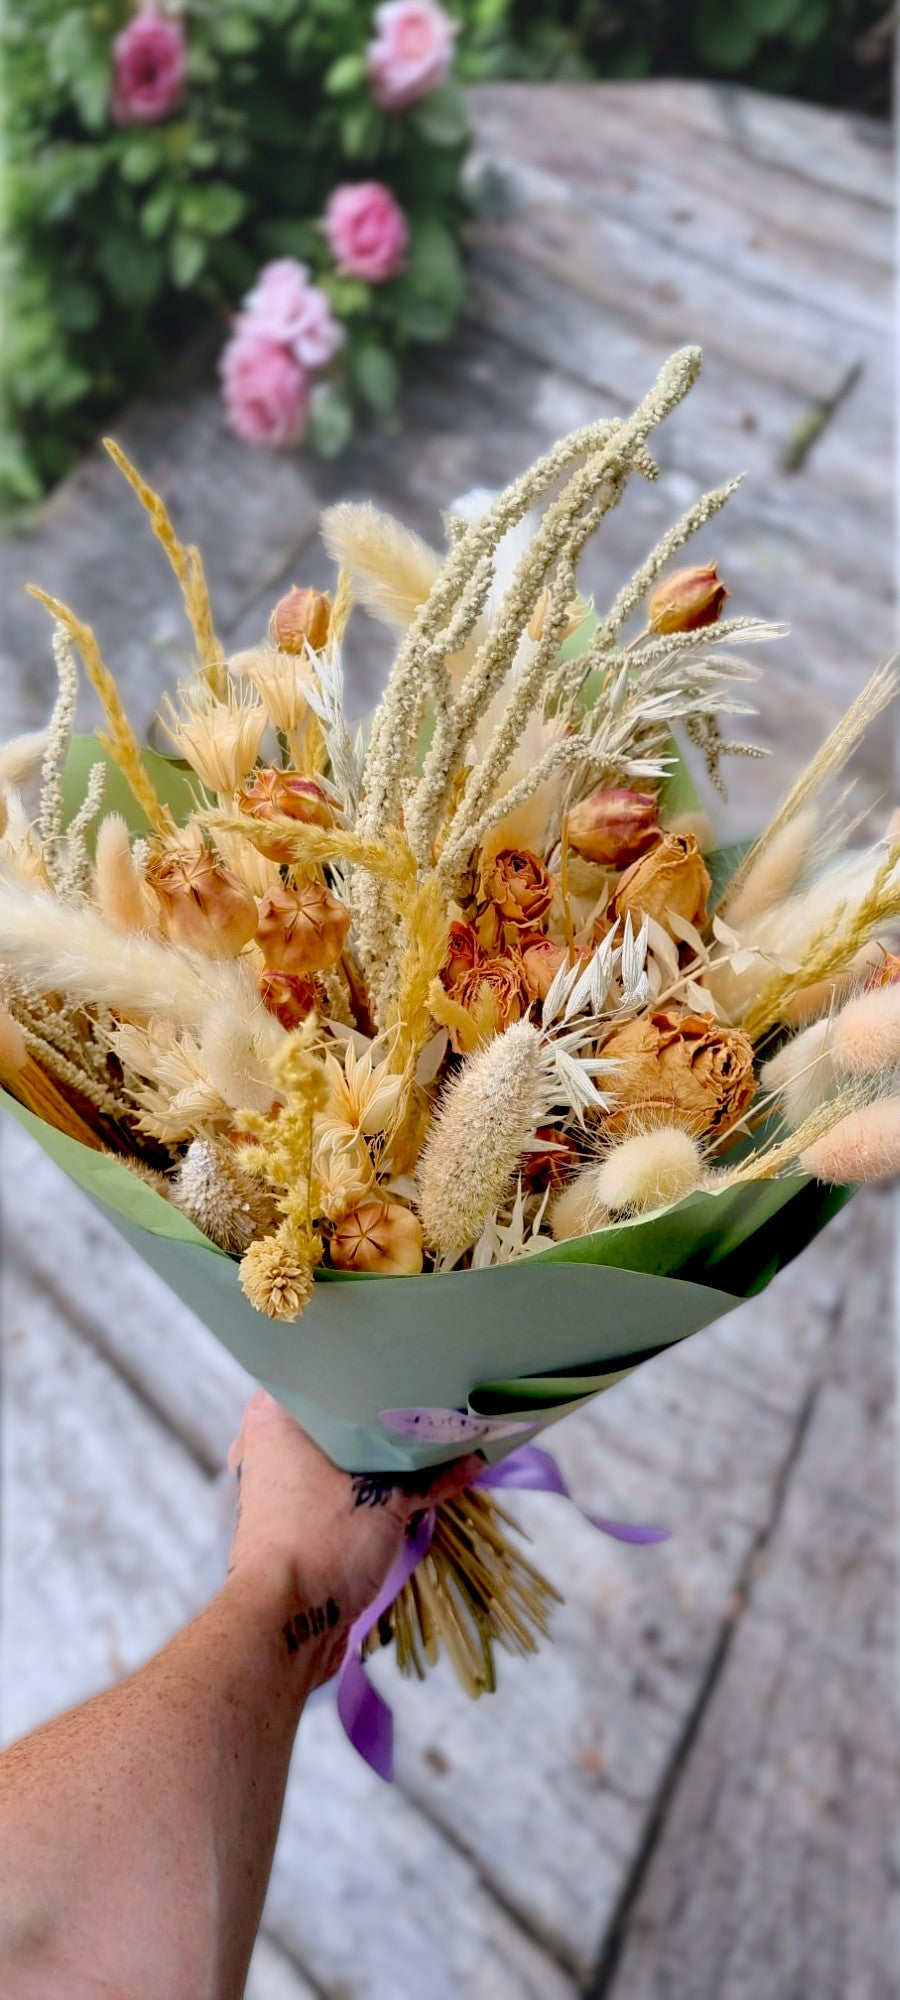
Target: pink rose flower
x=149, y=69
x=411, y=52
x=366, y=231
x=266, y=392
x=284, y=306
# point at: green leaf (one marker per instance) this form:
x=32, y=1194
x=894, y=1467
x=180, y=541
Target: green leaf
x=770, y=17
x=361, y=131
x=375, y=377
x=423, y=319
x=76, y=305
x=132, y=268
x=211, y=209
x=348, y=295
x=330, y=422
x=441, y=118
x=234, y=34
x=345, y=75
x=809, y=23
x=158, y=210
x=722, y=38
x=434, y=269
x=187, y=256
x=140, y=159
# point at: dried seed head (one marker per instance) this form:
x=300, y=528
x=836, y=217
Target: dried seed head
x=378, y=1236
x=802, y=1073
x=302, y=931
x=276, y=1279
x=301, y=617
x=270, y=794
x=201, y=903
x=864, y=1146
x=484, y=1119
x=687, y=599
x=228, y=1205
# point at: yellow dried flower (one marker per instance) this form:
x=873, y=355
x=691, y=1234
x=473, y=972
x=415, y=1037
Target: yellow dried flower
x=279, y=681
x=275, y=1279
x=378, y=1236
x=219, y=739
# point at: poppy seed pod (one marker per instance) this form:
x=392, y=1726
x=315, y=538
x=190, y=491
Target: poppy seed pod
x=378, y=1236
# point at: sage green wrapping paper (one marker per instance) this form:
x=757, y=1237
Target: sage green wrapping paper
x=531, y=1339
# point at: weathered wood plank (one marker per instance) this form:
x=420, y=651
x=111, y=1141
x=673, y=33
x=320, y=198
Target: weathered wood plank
x=778, y=1849
x=833, y=152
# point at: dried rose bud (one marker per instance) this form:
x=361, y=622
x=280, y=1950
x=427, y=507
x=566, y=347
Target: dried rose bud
x=301, y=930
x=290, y=999
x=269, y=794
x=301, y=617
x=672, y=876
x=540, y=964
x=613, y=828
x=463, y=952
x=678, y=1068
x=687, y=599
x=378, y=1236
x=515, y=892
x=201, y=903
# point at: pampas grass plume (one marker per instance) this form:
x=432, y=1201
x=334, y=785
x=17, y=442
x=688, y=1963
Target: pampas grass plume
x=866, y=1033
x=648, y=1171
x=118, y=889
x=483, y=1121
x=864, y=1146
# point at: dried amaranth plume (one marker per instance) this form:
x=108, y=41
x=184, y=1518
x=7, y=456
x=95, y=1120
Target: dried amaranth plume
x=483, y=1121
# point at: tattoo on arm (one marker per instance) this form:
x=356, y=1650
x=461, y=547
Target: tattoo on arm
x=310, y=1624
x=372, y=1489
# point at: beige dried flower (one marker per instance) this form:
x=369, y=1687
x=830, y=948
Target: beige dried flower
x=302, y=930
x=301, y=618
x=228, y=1205
x=687, y=599
x=219, y=739
x=378, y=1236
x=680, y=1068
x=363, y=1095
x=201, y=903
x=613, y=828
x=483, y=1120
x=280, y=682
x=673, y=876
x=802, y=1073
x=864, y=1146
x=276, y=1278
x=650, y=1170
x=492, y=995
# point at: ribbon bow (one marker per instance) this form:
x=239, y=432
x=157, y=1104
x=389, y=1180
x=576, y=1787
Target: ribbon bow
x=365, y=1715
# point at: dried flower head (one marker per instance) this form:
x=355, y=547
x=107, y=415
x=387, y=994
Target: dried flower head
x=650, y=1170
x=275, y=1278
x=613, y=828
x=540, y=964
x=483, y=1120
x=802, y=1073
x=865, y=1035
x=680, y=1068
x=463, y=953
x=290, y=999
x=515, y=894
x=492, y=995
x=303, y=930
x=672, y=877
x=272, y=795
x=219, y=739
x=301, y=618
x=687, y=599
x=229, y=1206
x=378, y=1236
x=280, y=682
x=201, y=903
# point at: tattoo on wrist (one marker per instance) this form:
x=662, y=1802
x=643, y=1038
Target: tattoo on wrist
x=310, y=1624
x=372, y=1489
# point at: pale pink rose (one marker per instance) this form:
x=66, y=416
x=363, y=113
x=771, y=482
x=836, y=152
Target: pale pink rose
x=149, y=69
x=284, y=306
x=366, y=231
x=266, y=392
x=411, y=52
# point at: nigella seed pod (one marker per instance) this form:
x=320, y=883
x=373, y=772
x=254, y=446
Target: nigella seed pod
x=378, y=1236
x=301, y=618
x=201, y=903
x=613, y=828
x=687, y=599
x=302, y=931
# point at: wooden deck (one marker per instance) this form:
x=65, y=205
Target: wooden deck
x=693, y=1794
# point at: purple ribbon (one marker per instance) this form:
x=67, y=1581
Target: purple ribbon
x=365, y=1715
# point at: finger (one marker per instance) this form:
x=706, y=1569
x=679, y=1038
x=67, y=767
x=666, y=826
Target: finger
x=450, y=1479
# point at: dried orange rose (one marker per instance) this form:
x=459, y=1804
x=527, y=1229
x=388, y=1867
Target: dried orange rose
x=463, y=952
x=673, y=876
x=515, y=893
x=290, y=999
x=201, y=903
x=681, y=1068
x=302, y=930
x=687, y=599
x=301, y=617
x=380, y=1236
x=494, y=994
x=540, y=964
x=613, y=828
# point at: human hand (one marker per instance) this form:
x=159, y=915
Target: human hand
x=319, y=1537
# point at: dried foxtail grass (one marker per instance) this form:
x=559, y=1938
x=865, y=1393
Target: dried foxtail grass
x=483, y=1121
x=188, y=569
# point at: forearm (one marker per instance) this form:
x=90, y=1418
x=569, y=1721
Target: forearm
x=137, y=1833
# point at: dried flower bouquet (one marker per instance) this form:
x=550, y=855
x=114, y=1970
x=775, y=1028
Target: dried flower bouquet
x=473, y=1002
